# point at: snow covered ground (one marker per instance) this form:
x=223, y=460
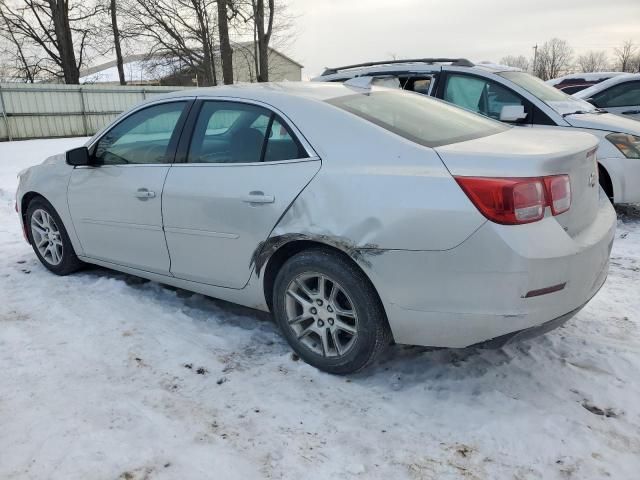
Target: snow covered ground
x=105, y=376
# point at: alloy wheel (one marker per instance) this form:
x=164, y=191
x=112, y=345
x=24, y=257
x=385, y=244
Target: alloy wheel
x=321, y=314
x=46, y=237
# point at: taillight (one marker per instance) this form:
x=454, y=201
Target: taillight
x=559, y=189
x=515, y=201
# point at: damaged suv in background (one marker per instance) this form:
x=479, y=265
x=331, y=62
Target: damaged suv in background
x=356, y=216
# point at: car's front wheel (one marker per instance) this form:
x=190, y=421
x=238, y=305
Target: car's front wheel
x=49, y=238
x=329, y=312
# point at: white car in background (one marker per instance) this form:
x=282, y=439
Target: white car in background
x=574, y=82
x=354, y=215
x=619, y=95
x=515, y=97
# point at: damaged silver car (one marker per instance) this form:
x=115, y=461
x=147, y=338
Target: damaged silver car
x=357, y=216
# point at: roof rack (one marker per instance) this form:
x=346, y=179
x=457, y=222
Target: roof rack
x=458, y=62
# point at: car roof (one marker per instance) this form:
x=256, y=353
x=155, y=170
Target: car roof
x=266, y=92
x=598, y=87
x=586, y=76
x=412, y=65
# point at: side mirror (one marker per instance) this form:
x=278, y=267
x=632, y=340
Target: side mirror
x=512, y=113
x=592, y=102
x=78, y=157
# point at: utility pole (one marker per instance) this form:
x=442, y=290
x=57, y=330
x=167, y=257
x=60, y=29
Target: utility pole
x=535, y=57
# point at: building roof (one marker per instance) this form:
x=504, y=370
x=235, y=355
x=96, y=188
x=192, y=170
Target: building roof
x=143, y=69
x=234, y=45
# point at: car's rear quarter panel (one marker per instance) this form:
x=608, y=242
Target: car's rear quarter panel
x=376, y=189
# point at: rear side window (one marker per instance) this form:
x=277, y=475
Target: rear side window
x=418, y=118
x=230, y=132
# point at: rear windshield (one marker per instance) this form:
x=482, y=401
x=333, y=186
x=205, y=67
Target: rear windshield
x=423, y=120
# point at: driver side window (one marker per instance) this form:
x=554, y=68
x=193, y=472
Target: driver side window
x=479, y=95
x=141, y=138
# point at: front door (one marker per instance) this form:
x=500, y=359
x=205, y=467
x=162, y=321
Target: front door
x=244, y=168
x=116, y=204
x=483, y=96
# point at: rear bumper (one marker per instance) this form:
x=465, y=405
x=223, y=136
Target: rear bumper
x=478, y=290
x=531, y=332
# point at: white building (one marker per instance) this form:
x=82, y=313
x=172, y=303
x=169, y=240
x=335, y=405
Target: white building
x=142, y=70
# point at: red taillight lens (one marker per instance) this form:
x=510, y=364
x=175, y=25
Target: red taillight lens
x=559, y=190
x=515, y=201
x=509, y=201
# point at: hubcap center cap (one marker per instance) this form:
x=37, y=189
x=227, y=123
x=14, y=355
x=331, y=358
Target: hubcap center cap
x=322, y=311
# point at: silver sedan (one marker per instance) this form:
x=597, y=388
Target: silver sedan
x=358, y=216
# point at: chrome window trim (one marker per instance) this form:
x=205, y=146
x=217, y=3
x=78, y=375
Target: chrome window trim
x=245, y=164
x=308, y=148
x=126, y=165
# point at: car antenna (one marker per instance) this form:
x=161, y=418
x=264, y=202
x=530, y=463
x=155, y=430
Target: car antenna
x=360, y=83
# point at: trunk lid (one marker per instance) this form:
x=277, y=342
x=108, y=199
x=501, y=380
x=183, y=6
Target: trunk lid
x=521, y=152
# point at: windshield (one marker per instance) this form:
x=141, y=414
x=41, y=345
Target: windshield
x=423, y=120
x=556, y=99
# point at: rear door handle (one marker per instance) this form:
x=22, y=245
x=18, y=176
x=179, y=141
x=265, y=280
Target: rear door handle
x=144, y=193
x=631, y=112
x=258, y=197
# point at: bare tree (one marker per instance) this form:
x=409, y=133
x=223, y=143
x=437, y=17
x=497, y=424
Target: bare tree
x=180, y=33
x=624, y=56
x=519, y=61
x=554, y=59
x=593, y=61
x=113, y=10
x=52, y=30
x=262, y=25
x=226, y=53
x=15, y=59
x=263, y=36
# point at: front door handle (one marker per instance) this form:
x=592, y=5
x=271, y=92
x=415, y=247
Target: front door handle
x=258, y=197
x=144, y=193
x=631, y=112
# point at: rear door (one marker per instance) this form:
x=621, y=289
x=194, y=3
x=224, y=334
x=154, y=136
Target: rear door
x=622, y=99
x=243, y=165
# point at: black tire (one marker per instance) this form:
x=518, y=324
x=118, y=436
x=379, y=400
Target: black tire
x=69, y=262
x=605, y=182
x=373, y=333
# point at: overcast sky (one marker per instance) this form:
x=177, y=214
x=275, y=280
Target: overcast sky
x=337, y=32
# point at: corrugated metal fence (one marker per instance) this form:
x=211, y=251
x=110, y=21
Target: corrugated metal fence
x=50, y=110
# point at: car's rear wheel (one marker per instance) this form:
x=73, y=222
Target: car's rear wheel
x=49, y=238
x=329, y=312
